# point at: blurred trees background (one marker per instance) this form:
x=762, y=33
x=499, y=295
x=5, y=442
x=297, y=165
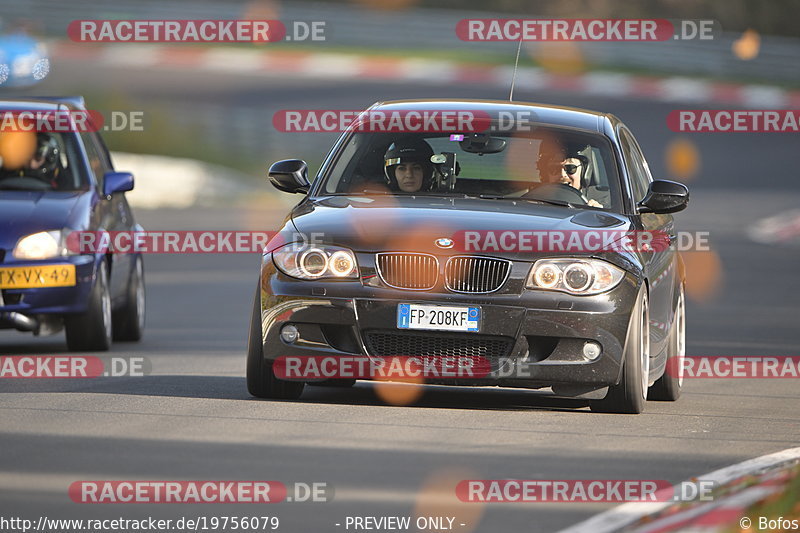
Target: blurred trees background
x=771, y=17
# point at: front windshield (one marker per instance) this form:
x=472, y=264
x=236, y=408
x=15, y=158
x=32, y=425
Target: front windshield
x=31, y=161
x=550, y=165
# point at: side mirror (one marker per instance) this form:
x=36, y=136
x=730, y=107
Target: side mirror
x=289, y=175
x=664, y=197
x=114, y=182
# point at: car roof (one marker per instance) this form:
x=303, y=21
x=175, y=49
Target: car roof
x=545, y=114
x=43, y=103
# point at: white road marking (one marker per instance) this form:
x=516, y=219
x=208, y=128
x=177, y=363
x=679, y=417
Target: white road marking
x=433, y=72
x=778, y=228
x=628, y=513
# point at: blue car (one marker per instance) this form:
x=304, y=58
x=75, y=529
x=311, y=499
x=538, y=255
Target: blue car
x=68, y=184
x=23, y=60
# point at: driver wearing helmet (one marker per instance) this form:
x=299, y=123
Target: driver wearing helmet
x=408, y=167
x=27, y=154
x=16, y=150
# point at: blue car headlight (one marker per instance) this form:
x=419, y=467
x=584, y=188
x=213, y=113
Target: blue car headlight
x=42, y=245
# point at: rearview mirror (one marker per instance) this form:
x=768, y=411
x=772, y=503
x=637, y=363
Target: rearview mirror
x=481, y=143
x=114, y=182
x=289, y=175
x=664, y=197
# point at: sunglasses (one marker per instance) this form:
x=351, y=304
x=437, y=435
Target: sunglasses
x=569, y=169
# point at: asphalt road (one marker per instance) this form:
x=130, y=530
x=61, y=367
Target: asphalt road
x=192, y=419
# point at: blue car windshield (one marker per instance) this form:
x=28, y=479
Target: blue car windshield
x=41, y=162
x=548, y=164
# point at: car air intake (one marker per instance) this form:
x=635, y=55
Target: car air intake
x=408, y=271
x=418, y=344
x=469, y=274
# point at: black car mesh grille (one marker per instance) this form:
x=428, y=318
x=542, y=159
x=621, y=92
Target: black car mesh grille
x=408, y=271
x=476, y=274
x=389, y=343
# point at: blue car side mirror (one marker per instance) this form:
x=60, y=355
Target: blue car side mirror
x=114, y=182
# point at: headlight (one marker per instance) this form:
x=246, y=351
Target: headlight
x=306, y=261
x=42, y=245
x=575, y=276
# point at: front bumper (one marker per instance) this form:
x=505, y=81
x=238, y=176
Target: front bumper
x=534, y=339
x=50, y=300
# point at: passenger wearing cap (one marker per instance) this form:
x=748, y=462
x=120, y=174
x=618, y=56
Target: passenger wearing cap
x=408, y=167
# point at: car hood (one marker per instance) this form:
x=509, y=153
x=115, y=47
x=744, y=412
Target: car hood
x=391, y=223
x=26, y=212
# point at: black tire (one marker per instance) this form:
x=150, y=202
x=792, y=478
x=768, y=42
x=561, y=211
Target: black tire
x=91, y=331
x=335, y=383
x=668, y=387
x=128, y=321
x=261, y=380
x=630, y=394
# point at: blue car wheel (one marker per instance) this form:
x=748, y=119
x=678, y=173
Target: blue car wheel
x=91, y=331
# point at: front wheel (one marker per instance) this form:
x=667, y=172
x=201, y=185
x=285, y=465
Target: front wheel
x=91, y=331
x=630, y=394
x=668, y=387
x=261, y=380
x=128, y=322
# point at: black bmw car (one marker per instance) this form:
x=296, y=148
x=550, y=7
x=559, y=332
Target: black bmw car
x=410, y=244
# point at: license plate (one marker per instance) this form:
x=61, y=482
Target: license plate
x=438, y=317
x=39, y=276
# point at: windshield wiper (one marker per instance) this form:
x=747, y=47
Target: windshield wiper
x=524, y=199
x=368, y=192
x=422, y=194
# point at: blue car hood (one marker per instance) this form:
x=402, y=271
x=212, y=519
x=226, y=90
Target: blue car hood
x=26, y=212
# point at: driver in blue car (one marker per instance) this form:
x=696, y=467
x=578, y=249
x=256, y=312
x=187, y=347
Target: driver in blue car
x=408, y=167
x=30, y=155
x=16, y=150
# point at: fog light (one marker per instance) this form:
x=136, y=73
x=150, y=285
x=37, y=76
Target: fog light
x=591, y=350
x=290, y=334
